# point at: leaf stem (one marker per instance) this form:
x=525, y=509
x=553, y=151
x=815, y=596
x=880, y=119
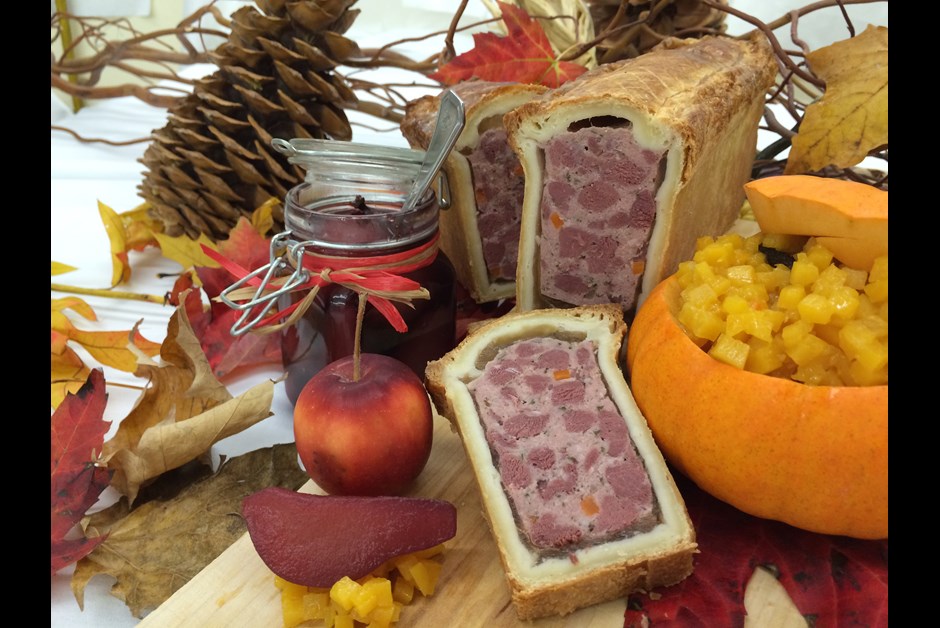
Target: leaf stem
x=111, y=294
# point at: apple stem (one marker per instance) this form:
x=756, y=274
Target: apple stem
x=357, y=346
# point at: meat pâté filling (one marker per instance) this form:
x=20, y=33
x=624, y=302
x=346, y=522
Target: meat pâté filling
x=566, y=461
x=498, y=189
x=598, y=207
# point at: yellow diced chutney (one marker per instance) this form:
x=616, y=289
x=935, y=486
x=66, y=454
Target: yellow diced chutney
x=425, y=574
x=292, y=603
x=317, y=604
x=403, y=590
x=815, y=308
x=817, y=322
x=803, y=272
x=730, y=351
x=344, y=592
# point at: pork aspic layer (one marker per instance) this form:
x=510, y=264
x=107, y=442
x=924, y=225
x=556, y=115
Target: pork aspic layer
x=597, y=212
x=564, y=454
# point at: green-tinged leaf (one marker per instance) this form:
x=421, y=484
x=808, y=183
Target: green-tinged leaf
x=187, y=252
x=161, y=545
x=58, y=268
x=114, y=227
x=851, y=119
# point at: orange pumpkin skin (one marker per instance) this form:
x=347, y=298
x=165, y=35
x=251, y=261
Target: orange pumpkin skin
x=815, y=457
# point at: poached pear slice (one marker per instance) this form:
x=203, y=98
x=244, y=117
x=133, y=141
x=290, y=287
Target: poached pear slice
x=315, y=540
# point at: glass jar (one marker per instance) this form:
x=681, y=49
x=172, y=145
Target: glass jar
x=350, y=206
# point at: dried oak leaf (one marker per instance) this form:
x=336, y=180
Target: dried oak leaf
x=525, y=55
x=159, y=546
x=851, y=119
x=832, y=580
x=77, y=433
x=181, y=414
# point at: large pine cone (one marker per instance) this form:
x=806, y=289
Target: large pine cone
x=678, y=18
x=213, y=162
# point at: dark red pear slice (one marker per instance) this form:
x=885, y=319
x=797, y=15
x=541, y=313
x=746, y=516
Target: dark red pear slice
x=315, y=540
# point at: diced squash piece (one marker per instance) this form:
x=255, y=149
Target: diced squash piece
x=815, y=308
x=808, y=349
x=730, y=351
x=803, y=272
x=382, y=617
x=701, y=322
x=425, y=574
x=344, y=592
x=403, y=590
x=292, y=603
x=764, y=357
x=316, y=605
x=374, y=592
x=879, y=269
x=344, y=621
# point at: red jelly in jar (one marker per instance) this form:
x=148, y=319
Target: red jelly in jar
x=351, y=207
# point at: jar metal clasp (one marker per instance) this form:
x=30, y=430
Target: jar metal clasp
x=254, y=309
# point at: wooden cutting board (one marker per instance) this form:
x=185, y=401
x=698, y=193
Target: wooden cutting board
x=237, y=589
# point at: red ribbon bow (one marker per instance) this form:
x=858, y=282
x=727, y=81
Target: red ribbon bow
x=379, y=277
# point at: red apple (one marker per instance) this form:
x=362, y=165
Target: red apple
x=366, y=436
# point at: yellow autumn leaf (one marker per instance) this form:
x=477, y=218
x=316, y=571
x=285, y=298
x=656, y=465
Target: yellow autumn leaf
x=75, y=304
x=111, y=348
x=140, y=228
x=68, y=374
x=185, y=251
x=262, y=219
x=851, y=118
x=61, y=322
x=58, y=268
x=114, y=227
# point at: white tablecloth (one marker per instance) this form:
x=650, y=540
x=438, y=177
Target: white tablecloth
x=82, y=174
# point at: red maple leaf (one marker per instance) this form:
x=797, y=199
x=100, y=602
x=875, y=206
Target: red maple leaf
x=225, y=352
x=78, y=431
x=525, y=55
x=833, y=580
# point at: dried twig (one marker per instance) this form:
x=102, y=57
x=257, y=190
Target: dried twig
x=99, y=140
x=629, y=28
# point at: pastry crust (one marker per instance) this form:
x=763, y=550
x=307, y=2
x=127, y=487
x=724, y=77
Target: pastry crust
x=557, y=586
x=484, y=105
x=701, y=100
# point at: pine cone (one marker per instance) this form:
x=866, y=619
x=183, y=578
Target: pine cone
x=680, y=18
x=213, y=162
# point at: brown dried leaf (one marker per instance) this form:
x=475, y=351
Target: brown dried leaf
x=851, y=119
x=181, y=414
x=159, y=546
